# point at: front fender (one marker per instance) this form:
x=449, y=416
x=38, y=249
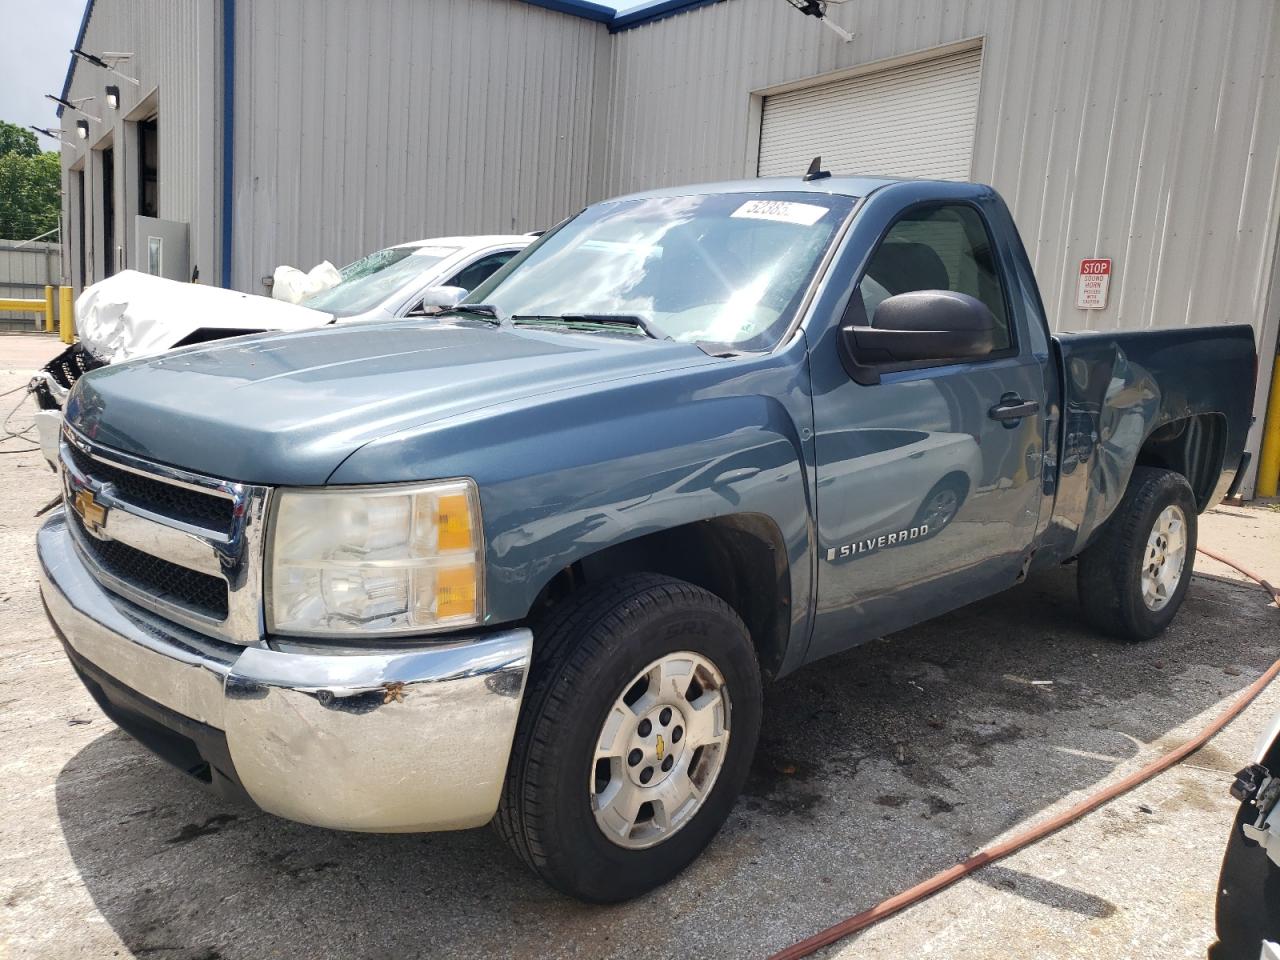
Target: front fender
x=652, y=471
x=565, y=476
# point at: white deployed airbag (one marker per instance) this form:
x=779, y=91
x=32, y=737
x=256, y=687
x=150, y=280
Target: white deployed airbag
x=134, y=314
x=293, y=286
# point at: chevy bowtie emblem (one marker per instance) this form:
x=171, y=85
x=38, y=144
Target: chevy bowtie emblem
x=662, y=747
x=92, y=513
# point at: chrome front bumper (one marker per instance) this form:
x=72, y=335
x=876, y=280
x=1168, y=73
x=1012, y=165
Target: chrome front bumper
x=390, y=740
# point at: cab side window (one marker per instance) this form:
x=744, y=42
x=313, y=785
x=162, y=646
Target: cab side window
x=940, y=247
x=470, y=277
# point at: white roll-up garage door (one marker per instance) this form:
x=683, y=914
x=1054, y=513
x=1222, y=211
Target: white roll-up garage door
x=911, y=121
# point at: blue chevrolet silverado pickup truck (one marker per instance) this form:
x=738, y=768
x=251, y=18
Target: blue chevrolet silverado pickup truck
x=531, y=562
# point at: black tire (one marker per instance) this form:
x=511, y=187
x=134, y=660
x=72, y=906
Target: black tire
x=589, y=648
x=1109, y=572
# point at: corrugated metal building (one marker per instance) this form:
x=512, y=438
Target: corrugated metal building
x=284, y=131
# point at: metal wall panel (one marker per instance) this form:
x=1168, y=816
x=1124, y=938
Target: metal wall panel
x=175, y=55
x=25, y=269
x=915, y=120
x=369, y=123
x=1145, y=131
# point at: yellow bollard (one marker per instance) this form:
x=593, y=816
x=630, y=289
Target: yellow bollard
x=48, y=309
x=66, y=316
x=1269, y=462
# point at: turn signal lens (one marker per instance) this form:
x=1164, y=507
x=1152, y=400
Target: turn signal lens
x=448, y=593
x=453, y=521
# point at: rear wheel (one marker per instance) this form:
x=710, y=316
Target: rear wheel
x=1132, y=579
x=636, y=737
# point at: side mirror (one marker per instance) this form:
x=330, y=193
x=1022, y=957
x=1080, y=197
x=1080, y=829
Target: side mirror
x=925, y=325
x=435, y=299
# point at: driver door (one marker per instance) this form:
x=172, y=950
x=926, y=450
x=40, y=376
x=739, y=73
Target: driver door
x=927, y=496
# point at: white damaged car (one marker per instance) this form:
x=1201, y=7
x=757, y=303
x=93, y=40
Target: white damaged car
x=132, y=314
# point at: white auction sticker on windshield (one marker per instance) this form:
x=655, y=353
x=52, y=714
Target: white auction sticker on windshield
x=784, y=211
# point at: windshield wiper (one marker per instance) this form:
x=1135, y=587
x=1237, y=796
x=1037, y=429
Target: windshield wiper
x=485, y=311
x=597, y=320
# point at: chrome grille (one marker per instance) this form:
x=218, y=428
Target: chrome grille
x=184, y=545
x=180, y=503
x=200, y=593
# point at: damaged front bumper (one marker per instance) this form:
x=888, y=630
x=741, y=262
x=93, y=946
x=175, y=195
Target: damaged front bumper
x=398, y=739
x=1258, y=789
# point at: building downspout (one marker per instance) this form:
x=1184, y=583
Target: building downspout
x=228, y=129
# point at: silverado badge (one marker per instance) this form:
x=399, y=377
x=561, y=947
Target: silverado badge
x=872, y=544
x=92, y=513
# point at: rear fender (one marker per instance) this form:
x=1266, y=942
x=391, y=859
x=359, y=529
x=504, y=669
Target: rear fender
x=1120, y=388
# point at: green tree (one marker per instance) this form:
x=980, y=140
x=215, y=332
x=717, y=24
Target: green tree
x=30, y=185
x=14, y=139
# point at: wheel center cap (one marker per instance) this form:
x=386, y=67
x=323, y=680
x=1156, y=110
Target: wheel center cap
x=657, y=745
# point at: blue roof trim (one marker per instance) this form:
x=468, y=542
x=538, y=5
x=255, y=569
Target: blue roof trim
x=655, y=11
x=71, y=61
x=615, y=21
x=578, y=8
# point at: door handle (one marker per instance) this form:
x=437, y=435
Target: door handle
x=733, y=476
x=1013, y=408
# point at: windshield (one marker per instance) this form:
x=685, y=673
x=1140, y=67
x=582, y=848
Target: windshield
x=724, y=270
x=372, y=279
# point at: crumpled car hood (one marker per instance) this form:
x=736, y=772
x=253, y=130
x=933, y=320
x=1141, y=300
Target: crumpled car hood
x=289, y=408
x=131, y=315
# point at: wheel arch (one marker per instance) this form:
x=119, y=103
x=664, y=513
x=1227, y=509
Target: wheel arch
x=1194, y=446
x=741, y=558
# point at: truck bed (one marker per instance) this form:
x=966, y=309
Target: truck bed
x=1176, y=398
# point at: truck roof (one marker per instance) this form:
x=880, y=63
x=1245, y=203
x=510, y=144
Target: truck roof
x=472, y=241
x=838, y=185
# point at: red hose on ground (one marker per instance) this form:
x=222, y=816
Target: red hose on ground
x=940, y=881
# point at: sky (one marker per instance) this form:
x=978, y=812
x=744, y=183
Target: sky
x=35, y=46
x=34, y=49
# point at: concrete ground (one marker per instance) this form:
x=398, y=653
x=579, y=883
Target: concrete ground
x=876, y=769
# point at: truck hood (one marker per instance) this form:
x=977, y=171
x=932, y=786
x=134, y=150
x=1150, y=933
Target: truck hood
x=289, y=408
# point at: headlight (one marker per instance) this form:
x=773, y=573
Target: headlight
x=376, y=560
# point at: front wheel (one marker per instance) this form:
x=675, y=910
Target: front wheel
x=636, y=736
x=1133, y=577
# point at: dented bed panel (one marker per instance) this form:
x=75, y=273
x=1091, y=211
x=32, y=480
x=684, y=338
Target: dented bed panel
x=1120, y=389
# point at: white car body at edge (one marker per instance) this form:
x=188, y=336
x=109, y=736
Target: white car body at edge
x=131, y=314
